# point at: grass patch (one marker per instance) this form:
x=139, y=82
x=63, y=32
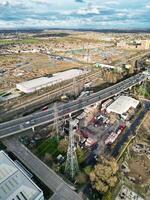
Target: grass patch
x=143, y=90
x=22, y=41
x=48, y=146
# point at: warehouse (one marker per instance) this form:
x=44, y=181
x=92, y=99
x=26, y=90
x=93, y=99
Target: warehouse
x=122, y=105
x=42, y=82
x=14, y=183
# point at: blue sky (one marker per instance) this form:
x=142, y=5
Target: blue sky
x=94, y=14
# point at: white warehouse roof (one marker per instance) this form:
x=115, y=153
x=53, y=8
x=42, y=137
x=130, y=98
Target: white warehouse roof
x=122, y=105
x=36, y=84
x=14, y=183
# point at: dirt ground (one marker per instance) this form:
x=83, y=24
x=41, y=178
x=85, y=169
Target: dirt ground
x=144, y=131
x=140, y=169
x=140, y=164
x=23, y=67
x=137, y=161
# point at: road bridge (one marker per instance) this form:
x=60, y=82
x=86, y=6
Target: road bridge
x=25, y=123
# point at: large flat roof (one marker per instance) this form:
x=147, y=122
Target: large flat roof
x=14, y=183
x=32, y=85
x=122, y=105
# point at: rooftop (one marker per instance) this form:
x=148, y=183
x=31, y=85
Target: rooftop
x=32, y=85
x=127, y=194
x=14, y=183
x=122, y=105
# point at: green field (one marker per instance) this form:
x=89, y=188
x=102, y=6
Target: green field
x=48, y=146
x=144, y=89
x=22, y=41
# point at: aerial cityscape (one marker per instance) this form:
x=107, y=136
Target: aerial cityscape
x=74, y=100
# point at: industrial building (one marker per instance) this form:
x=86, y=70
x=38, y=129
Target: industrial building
x=14, y=183
x=42, y=82
x=99, y=65
x=122, y=105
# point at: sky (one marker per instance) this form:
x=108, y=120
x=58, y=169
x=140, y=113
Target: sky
x=88, y=14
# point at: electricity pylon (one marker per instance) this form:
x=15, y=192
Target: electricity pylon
x=72, y=166
x=56, y=123
x=75, y=87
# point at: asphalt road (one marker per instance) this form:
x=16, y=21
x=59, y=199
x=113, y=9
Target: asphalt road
x=25, y=123
x=60, y=188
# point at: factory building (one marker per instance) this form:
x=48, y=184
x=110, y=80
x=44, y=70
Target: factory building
x=14, y=183
x=42, y=82
x=122, y=105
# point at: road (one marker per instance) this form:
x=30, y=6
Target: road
x=40, y=118
x=60, y=188
x=32, y=103
x=132, y=129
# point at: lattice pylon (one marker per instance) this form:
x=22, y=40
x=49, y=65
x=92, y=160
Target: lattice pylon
x=56, y=123
x=72, y=166
x=75, y=87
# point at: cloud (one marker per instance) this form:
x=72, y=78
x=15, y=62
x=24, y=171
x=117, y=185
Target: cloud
x=147, y=6
x=90, y=9
x=74, y=13
x=111, y=3
x=80, y=1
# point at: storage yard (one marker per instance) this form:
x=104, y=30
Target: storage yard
x=96, y=129
x=101, y=126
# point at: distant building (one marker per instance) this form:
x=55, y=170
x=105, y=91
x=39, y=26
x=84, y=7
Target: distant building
x=14, y=183
x=42, y=82
x=139, y=44
x=104, y=66
x=99, y=65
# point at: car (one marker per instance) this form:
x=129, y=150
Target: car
x=32, y=121
x=27, y=123
x=44, y=108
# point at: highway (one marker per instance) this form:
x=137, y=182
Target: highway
x=35, y=102
x=24, y=123
x=61, y=190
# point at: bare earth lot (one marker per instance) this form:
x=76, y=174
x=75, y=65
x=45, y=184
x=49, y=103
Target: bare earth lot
x=136, y=166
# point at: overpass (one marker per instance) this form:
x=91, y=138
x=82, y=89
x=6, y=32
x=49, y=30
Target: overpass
x=25, y=123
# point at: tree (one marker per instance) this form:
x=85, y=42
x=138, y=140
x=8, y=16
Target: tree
x=48, y=158
x=63, y=146
x=81, y=154
x=81, y=178
x=104, y=175
x=107, y=196
x=88, y=169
